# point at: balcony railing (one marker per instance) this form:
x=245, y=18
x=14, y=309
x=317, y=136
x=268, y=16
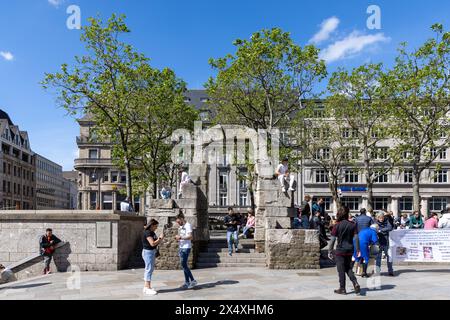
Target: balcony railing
x=87, y=140
x=93, y=162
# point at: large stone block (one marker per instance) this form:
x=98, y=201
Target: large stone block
x=280, y=212
x=162, y=204
x=190, y=191
x=278, y=223
x=187, y=203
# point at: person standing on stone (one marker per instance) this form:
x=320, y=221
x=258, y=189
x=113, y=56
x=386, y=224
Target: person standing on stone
x=305, y=212
x=384, y=228
x=346, y=234
x=283, y=175
x=185, y=240
x=125, y=206
x=47, y=245
x=150, y=242
x=232, y=222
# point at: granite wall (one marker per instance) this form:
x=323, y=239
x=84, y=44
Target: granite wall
x=96, y=240
x=293, y=249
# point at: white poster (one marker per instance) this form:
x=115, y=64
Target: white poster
x=420, y=245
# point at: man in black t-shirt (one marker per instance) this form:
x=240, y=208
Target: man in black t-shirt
x=346, y=234
x=232, y=222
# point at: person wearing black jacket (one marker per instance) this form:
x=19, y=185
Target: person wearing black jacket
x=346, y=234
x=383, y=236
x=47, y=245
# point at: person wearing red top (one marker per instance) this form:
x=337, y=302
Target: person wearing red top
x=47, y=244
x=431, y=223
x=346, y=234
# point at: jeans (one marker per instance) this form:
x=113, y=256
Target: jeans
x=149, y=259
x=230, y=243
x=47, y=261
x=290, y=180
x=344, y=267
x=297, y=223
x=184, y=256
x=384, y=249
x=246, y=229
x=305, y=222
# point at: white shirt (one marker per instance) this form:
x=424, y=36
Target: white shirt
x=124, y=206
x=282, y=169
x=184, y=232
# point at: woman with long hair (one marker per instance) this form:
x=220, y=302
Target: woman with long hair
x=150, y=242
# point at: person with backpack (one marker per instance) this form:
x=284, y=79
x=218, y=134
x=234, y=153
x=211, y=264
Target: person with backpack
x=184, y=238
x=47, y=245
x=150, y=242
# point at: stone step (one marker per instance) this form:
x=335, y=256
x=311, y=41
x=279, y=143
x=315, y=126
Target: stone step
x=242, y=250
x=225, y=254
x=230, y=265
x=232, y=259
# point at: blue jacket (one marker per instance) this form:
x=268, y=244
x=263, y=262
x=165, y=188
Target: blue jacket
x=383, y=232
x=363, y=221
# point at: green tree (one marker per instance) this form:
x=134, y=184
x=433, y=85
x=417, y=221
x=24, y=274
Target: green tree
x=418, y=92
x=159, y=112
x=358, y=100
x=102, y=84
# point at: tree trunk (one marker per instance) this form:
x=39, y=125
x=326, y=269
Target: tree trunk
x=333, y=185
x=128, y=182
x=416, y=190
x=369, y=181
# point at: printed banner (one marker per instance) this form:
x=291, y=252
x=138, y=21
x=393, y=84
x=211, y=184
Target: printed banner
x=420, y=245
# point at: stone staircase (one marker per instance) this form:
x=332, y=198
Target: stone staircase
x=216, y=255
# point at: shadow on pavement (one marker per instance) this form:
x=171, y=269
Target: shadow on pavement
x=27, y=286
x=201, y=286
x=423, y=270
x=380, y=288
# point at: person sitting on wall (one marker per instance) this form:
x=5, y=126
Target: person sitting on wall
x=47, y=245
x=283, y=174
x=185, y=179
x=165, y=193
x=250, y=225
x=416, y=221
x=402, y=222
x=125, y=206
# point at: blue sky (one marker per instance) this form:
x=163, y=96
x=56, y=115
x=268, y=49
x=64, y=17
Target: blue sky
x=183, y=35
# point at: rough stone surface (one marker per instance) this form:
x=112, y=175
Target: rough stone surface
x=292, y=249
x=21, y=233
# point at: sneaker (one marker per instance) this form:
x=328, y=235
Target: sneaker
x=192, y=284
x=150, y=292
x=291, y=189
x=391, y=274
x=185, y=286
x=236, y=251
x=230, y=254
x=357, y=289
x=340, y=291
x=283, y=189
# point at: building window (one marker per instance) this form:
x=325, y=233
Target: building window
x=437, y=204
x=380, y=203
x=351, y=176
x=114, y=176
x=223, y=180
x=223, y=199
x=123, y=177
x=351, y=202
x=93, y=154
x=440, y=176
x=381, y=177
x=405, y=204
x=408, y=176
x=381, y=153
x=321, y=176
x=243, y=199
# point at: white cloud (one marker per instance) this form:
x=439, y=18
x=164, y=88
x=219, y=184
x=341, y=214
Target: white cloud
x=327, y=27
x=55, y=3
x=8, y=56
x=351, y=45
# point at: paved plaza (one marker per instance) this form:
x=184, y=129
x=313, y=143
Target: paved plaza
x=411, y=282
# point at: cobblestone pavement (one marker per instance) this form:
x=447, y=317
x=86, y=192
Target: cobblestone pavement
x=410, y=282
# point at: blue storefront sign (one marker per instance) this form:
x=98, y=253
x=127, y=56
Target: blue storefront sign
x=353, y=189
